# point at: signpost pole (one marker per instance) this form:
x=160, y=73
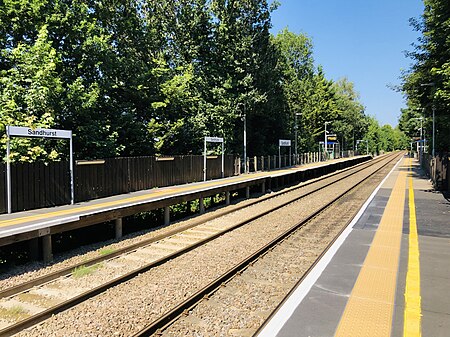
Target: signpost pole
x=20, y=131
x=204, y=161
x=8, y=170
x=279, y=156
x=72, y=192
x=290, y=156
x=284, y=142
x=212, y=140
x=245, y=142
x=223, y=170
x=325, y=142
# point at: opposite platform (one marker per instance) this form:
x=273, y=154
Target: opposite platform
x=44, y=222
x=386, y=275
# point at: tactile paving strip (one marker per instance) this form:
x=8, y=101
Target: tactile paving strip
x=370, y=307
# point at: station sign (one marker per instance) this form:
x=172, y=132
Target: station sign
x=332, y=138
x=284, y=142
x=214, y=139
x=20, y=131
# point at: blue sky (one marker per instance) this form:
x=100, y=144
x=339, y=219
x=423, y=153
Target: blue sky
x=363, y=40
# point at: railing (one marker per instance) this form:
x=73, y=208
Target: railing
x=268, y=163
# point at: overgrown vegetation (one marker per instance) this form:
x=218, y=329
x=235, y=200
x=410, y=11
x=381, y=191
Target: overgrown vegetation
x=106, y=251
x=14, y=313
x=82, y=271
x=143, y=77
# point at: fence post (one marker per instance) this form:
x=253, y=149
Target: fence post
x=237, y=165
x=255, y=163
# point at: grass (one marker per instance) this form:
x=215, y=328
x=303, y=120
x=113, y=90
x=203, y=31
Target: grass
x=15, y=313
x=82, y=271
x=37, y=299
x=106, y=251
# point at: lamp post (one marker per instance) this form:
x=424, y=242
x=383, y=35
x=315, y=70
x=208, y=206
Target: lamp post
x=325, y=143
x=433, y=108
x=296, y=137
x=421, y=137
x=363, y=140
x=244, y=119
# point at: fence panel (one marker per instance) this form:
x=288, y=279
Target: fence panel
x=438, y=170
x=2, y=188
x=36, y=185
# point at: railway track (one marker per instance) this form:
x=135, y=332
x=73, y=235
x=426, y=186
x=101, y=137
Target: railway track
x=188, y=317
x=134, y=260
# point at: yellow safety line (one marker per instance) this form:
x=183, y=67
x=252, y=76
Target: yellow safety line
x=152, y=194
x=412, y=318
x=369, y=310
x=102, y=205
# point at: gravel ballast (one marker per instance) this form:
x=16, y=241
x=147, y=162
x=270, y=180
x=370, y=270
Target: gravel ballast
x=126, y=308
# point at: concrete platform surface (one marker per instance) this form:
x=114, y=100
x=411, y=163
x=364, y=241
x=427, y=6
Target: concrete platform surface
x=333, y=301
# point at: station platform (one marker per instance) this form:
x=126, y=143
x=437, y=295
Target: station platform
x=42, y=223
x=387, y=274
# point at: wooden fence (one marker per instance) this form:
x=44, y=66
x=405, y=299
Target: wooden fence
x=438, y=169
x=37, y=185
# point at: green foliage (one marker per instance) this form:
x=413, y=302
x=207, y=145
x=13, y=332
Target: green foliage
x=427, y=84
x=154, y=77
x=82, y=271
x=106, y=251
x=14, y=313
x=28, y=92
x=383, y=138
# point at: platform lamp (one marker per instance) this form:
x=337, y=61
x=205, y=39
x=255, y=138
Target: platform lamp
x=244, y=119
x=421, y=136
x=363, y=140
x=325, y=143
x=433, y=108
x=296, y=136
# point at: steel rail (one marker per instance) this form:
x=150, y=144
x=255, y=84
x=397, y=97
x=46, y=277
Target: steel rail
x=302, y=278
x=11, y=291
x=32, y=320
x=171, y=316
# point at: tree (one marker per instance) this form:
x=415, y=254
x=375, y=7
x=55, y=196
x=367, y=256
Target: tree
x=28, y=92
x=351, y=122
x=297, y=69
x=154, y=77
x=427, y=84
